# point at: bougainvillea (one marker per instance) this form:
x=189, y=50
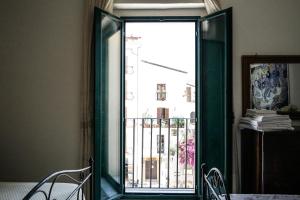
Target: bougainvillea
x=190, y=152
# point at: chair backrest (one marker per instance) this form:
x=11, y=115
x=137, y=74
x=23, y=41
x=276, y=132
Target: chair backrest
x=213, y=185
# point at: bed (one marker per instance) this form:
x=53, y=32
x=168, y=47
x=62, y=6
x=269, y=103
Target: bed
x=61, y=185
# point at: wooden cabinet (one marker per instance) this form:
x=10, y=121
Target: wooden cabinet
x=270, y=162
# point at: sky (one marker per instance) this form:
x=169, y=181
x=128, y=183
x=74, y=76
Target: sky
x=166, y=43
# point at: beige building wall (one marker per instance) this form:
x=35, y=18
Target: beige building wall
x=40, y=62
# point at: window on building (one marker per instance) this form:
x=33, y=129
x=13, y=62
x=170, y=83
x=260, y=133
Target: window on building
x=160, y=144
x=188, y=94
x=162, y=113
x=161, y=93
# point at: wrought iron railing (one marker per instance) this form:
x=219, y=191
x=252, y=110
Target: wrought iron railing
x=160, y=153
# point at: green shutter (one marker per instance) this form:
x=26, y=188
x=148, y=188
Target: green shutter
x=216, y=108
x=107, y=32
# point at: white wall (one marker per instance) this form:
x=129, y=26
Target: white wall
x=268, y=27
x=40, y=59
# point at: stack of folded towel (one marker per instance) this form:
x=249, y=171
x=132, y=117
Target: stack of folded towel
x=265, y=120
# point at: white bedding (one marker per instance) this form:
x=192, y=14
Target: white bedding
x=18, y=190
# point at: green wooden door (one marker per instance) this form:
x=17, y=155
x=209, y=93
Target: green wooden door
x=216, y=112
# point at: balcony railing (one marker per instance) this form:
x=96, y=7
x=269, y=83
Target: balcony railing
x=160, y=155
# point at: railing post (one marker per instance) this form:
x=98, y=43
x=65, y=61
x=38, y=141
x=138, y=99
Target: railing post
x=177, y=152
x=143, y=122
x=151, y=153
x=169, y=152
x=159, y=153
x=186, y=151
x=133, y=150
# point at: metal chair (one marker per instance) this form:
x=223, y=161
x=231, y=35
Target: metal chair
x=213, y=185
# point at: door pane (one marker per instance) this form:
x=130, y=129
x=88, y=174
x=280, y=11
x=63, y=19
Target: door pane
x=112, y=74
x=114, y=106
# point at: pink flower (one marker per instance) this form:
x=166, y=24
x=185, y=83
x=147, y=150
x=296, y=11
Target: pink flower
x=188, y=157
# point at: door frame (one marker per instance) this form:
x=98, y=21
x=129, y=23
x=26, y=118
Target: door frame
x=198, y=103
x=149, y=19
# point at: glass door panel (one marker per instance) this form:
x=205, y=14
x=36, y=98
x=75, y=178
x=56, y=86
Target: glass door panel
x=113, y=105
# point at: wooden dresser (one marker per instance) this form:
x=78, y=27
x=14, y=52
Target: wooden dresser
x=270, y=162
